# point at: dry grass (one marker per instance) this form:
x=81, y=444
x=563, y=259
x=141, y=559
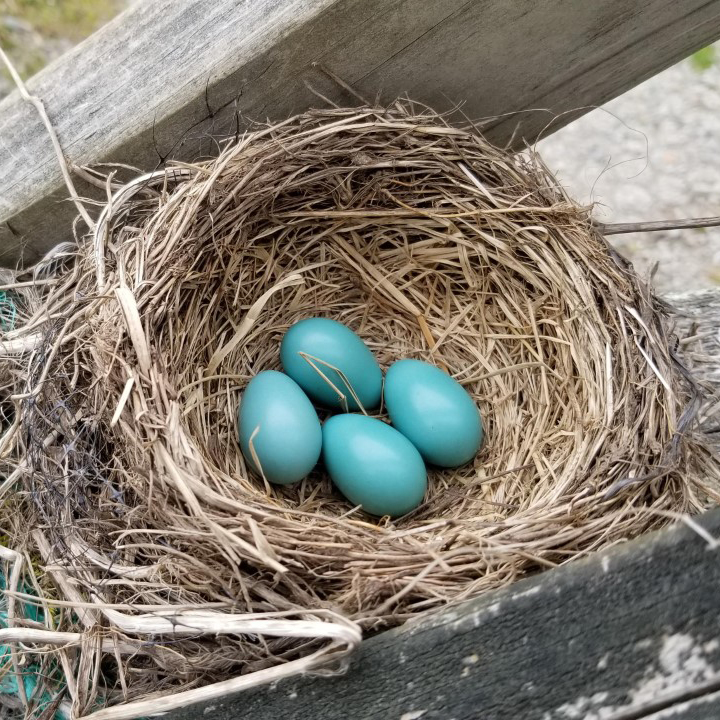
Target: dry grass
x=429, y=243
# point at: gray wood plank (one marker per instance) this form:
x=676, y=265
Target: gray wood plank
x=624, y=634
x=142, y=88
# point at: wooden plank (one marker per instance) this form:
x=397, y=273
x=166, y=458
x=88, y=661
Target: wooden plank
x=141, y=89
x=624, y=634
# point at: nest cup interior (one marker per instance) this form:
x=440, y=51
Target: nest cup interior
x=409, y=289
x=427, y=242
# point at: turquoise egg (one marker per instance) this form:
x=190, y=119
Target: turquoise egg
x=313, y=347
x=284, y=427
x=434, y=412
x=373, y=465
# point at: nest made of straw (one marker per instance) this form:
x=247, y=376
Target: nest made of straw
x=429, y=243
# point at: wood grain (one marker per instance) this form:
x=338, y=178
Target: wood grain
x=169, y=78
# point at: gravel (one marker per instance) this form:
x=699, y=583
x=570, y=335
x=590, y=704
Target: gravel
x=652, y=154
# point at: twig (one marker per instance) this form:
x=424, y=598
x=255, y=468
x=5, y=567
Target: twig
x=340, y=82
x=192, y=623
x=38, y=105
x=342, y=398
x=91, y=179
x=120, y=197
x=712, y=542
x=29, y=283
x=166, y=703
x=11, y=556
x=11, y=636
x=657, y=226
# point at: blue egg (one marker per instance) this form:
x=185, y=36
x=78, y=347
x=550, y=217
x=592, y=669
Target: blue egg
x=283, y=425
x=318, y=347
x=373, y=465
x=434, y=412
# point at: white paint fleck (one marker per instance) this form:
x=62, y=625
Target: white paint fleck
x=526, y=593
x=209, y=709
x=402, y=658
x=420, y=623
x=682, y=665
x=410, y=685
x=603, y=662
x=413, y=715
x=471, y=659
x=465, y=672
x=494, y=609
x=292, y=695
x=476, y=618
x=583, y=708
x=605, y=563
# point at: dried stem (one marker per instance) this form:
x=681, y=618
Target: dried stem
x=658, y=226
x=40, y=107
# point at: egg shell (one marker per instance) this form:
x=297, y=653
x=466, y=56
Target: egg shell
x=334, y=344
x=288, y=440
x=373, y=465
x=434, y=412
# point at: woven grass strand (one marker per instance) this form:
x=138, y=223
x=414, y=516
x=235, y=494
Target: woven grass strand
x=127, y=369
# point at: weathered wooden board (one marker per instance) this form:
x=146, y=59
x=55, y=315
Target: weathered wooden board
x=141, y=89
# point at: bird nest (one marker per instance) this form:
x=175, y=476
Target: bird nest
x=169, y=564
